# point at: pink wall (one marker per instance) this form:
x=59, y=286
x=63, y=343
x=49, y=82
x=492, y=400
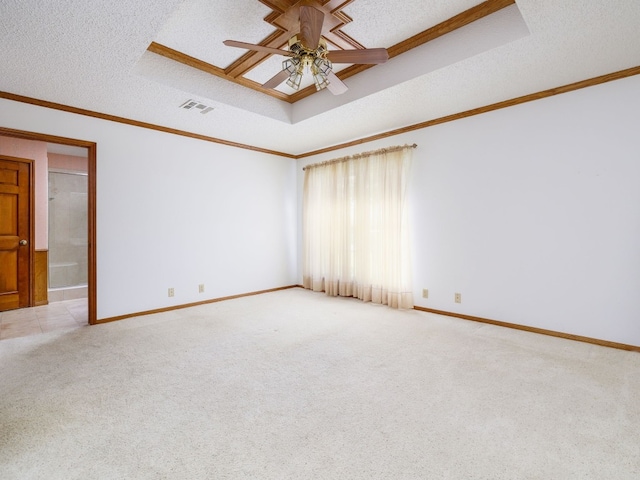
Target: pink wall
x=37, y=151
x=68, y=162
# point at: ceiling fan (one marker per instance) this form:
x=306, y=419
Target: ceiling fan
x=308, y=52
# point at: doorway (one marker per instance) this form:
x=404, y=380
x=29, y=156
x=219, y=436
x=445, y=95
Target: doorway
x=36, y=273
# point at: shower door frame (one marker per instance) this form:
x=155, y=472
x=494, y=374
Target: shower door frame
x=62, y=171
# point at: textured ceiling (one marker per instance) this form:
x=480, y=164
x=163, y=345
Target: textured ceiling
x=93, y=55
x=482, y=35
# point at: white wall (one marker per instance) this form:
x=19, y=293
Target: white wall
x=532, y=212
x=177, y=212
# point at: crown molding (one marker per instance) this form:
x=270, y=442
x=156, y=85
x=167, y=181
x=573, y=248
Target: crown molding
x=629, y=72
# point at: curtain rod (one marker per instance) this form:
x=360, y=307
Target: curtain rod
x=358, y=155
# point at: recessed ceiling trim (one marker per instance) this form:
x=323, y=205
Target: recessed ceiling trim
x=193, y=62
x=252, y=59
x=279, y=39
x=284, y=19
x=629, y=72
x=475, y=38
x=126, y=121
x=458, y=21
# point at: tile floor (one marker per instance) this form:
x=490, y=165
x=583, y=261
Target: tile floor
x=66, y=314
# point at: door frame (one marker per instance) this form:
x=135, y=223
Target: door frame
x=91, y=147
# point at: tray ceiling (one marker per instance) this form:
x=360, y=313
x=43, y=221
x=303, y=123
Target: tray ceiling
x=99, y=56
x=462, y=30
x=193, y=35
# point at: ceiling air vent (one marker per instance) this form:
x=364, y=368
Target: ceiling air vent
x=195, y=105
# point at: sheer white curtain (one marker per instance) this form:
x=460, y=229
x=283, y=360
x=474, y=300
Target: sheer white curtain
x=355, y=227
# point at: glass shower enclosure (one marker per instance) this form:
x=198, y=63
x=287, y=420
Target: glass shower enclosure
x=68, y=267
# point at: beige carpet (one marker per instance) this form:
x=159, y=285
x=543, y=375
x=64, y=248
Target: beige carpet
x=297, y=385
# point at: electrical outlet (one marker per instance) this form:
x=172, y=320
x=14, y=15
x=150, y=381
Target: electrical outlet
x=425, y=293
x=201, y=288
x=458, y=298
x=171, y=292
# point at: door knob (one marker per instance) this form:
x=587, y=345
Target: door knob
x=23, y=242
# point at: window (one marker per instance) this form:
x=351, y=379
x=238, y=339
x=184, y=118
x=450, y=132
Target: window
x=355, y=227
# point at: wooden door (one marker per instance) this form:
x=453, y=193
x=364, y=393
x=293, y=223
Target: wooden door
x=15, y=233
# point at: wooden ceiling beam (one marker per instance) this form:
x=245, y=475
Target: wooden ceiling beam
x=284, y=18
x=458, y=21
x=252, y=59
x=193, y=62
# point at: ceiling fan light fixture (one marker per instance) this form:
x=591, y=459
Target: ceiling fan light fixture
x=321, y=81
x=320, y=68
x=294, y=80
x=310, y=53
x=294, y=67
x=322, y=65
x=291, y=65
